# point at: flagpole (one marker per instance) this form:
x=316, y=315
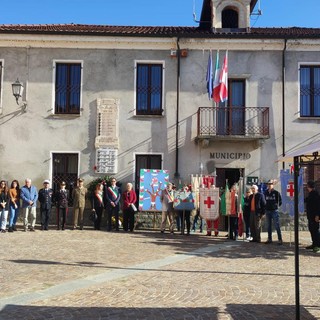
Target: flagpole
x=296, y=236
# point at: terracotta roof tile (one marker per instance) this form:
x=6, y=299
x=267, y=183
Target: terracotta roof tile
x=161, y=31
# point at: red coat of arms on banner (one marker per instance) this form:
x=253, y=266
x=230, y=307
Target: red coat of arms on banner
x=290, y=189
x=209, y=203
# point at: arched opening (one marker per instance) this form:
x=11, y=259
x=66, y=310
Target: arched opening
x=230, y=18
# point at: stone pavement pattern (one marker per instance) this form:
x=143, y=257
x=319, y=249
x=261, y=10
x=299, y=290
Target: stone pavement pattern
x=147, y=275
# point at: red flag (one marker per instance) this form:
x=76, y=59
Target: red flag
x=223, y=90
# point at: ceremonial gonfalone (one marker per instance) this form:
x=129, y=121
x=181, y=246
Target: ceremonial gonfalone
x=209, y=203
x=184, y=200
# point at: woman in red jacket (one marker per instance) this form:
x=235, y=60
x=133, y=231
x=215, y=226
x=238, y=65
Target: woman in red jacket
x=129, y=208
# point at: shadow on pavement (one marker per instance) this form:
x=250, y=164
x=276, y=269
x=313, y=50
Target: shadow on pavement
x=186, y=244
x=232, y=311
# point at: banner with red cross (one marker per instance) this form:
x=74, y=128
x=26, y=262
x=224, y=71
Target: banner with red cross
x=287, y=191
x=209, y=203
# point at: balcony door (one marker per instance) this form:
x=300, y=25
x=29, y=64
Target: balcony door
x=231, y=115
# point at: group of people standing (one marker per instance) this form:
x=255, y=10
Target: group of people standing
x=256, y=205
x=108, y=198
x=168, y=212
x=105, y=197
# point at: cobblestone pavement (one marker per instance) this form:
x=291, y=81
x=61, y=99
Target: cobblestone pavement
x=148, y=275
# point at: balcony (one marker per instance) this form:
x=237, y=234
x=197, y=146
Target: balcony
x=233, y=123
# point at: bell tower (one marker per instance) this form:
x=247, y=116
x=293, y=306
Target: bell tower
x=226, y=14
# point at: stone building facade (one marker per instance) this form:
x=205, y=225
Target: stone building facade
x=107, y=100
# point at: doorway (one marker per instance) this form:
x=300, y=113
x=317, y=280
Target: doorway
x=65, y=168
x=231, y=175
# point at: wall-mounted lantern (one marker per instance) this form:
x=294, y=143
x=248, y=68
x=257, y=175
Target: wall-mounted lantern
x=17, y=91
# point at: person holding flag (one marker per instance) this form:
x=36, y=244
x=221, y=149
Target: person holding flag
x=233, y=213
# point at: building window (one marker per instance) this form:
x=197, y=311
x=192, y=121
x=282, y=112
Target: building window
x=146, y=161
x=149, y=89
x=230, y=19
x=67, y=88
x=310, y=91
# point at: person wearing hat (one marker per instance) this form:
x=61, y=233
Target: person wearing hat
x=273, y=202
x=313, y=215
x=79, y=203
x=45, y=198
x=62, y=197
x=167, y=198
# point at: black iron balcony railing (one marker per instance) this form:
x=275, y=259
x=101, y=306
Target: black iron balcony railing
x=233, y=121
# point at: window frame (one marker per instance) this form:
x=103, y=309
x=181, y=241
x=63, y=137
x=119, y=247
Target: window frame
x=149, y=154
x=149, y=112
x=226, y=18
x=54, y=74
x=310, y=65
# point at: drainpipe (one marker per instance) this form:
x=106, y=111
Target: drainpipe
x=283, y=100
x=177, y=174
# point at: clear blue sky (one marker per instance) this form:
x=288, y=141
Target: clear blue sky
x=275, y=13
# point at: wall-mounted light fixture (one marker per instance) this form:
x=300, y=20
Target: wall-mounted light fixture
x=17, y=91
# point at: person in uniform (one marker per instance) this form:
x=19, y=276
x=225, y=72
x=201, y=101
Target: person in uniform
x=79, y=202
x=45, y=198
x=62, y=198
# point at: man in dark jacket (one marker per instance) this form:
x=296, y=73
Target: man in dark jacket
x=112, y=195
x=273, y=202
x=313, y=213
x=61, y=198
x=45, y=199
x=257, y=211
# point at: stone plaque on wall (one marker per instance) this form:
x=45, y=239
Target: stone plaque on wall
x=106, y=160
x=107, y=123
